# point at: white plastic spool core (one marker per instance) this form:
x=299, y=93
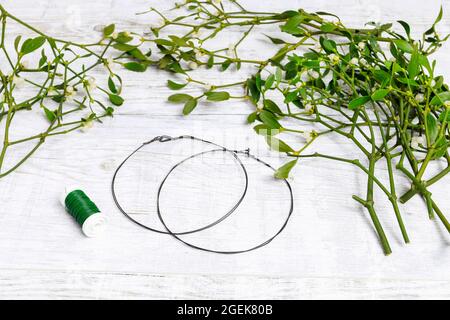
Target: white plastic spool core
x=94, y=225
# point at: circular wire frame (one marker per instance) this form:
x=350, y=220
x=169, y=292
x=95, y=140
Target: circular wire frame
x=266, y=242
x=164, y=139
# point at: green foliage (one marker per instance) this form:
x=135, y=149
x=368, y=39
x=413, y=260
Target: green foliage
x=269, y=120
x=404, y=45
x=109, y=30
x=31, y=45
x=284, y=171
x=60, y=82
x=135, y=66
x=189, y=106
x=380, y=94
x=116, y=99
x=180, y=98
x=175, y=86
x=278, y=145
x=217, y=96
x=51, y=116
x=373, y=86
x=358, y=102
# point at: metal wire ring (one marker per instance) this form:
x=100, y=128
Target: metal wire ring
x=164, y=139
x=176, y=236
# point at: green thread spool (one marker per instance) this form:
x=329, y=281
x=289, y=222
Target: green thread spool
x=84, y=211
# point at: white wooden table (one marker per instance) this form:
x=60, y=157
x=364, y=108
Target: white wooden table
x=329, y=249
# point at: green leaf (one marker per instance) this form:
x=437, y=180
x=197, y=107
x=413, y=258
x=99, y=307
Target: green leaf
x=210, y=62
x=124, y=47
x=175, y=86
x=269, y=120
x=58, y=98
x=51, y=116
x=258, y=81
x=189, y=106
x=324, y=13
x=272, y=106
x=109, y=30
x=164, y=42
x=217, y=96
x=409, y=82
x=358, y=102
x=439, y=17
x=379, y=94
x=441, y=147
x=432, y=127
x=109, y=111
x=406, y=27
x=404, y=45
x=254, y=91
x=291, y=96
x=286, y=14
x=439, y=82
x=423, y=60
x=180, y=98
x=444, y=116
x=31, y=45
x=278, y=145
x=135, y=66
x=43, y=59
x=292, y=25
x=328, y=45
x=116, y=99
x=382, y=77
x=269, y=82
x=112, y=86
x=414, y=64
x=278, y=75
x=52, y=43
x=441, y=98
x=136, y=53
x=252, y=117
x=226, y=64
x=328, y=27
x=284, y=171
x=264, y=130
x=17, y=42
x=276, y=40
x=123, y=37
x=178, y=41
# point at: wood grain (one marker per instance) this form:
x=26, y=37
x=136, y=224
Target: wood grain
x=33, y=284
x=329, y=249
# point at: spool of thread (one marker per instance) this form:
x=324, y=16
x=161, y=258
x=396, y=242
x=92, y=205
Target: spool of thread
x=84, y=211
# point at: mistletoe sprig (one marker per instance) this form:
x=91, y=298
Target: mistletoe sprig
x=60, y=84
x=374, y=86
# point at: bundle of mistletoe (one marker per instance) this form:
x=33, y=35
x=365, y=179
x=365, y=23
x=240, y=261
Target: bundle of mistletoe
x=55, y=79
x=375, y=87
